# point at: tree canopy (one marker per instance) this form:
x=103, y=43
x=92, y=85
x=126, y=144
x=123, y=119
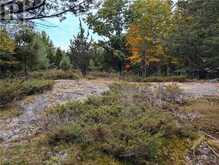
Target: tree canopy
x=37, y=9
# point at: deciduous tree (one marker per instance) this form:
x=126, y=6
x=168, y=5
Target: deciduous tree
x=150, y=24
x=110, y=22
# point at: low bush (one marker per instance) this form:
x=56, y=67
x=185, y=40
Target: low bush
x=170, y=93
x=122, y=128
x=96, y=74
x=56, y=74
x=118, y=128
x=16, y=89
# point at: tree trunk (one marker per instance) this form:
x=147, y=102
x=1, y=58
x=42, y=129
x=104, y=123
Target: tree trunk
x=84, y=71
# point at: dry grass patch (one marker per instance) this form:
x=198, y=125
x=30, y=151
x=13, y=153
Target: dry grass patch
x=208, y=118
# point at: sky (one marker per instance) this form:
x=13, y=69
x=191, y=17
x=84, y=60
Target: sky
x=62, y=32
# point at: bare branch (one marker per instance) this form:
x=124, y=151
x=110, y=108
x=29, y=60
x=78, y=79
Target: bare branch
x=27, y=10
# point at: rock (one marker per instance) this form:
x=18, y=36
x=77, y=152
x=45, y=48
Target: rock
x=63, y=91
x=214, y=80
x=202, y=156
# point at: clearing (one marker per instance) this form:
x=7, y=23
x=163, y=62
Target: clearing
x=16, y=129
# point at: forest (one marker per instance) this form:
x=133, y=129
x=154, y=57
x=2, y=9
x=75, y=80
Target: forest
x=144, y=38
x=145, y=92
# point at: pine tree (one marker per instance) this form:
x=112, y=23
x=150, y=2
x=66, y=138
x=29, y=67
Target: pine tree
x=81, y=50
x=65, y=63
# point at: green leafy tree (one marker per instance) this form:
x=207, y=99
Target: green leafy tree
x=81, y=51
x=110, y=22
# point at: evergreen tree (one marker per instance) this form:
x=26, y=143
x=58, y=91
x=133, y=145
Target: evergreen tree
x=65, y=63
x=81, y=50
x=39, y=57
x=58, y=57
x=196, y=38
x=31, y=50
x=50, y=49
x=24, y=38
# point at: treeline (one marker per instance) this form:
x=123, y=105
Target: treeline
x=159, y=37
x=28, y=51
x=141, y=37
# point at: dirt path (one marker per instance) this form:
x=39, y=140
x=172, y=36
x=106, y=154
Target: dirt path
x=63, y=91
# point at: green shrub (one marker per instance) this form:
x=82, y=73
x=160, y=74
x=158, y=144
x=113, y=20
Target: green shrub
x=96, y=74
x=56, y=74
x=119, y=127
x=70, y=133
x=16, y=89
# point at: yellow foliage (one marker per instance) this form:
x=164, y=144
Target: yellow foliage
x=134, y=59
x=145, y=33
x=6, y=43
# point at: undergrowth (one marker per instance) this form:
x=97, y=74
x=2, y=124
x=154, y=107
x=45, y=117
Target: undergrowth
x=207, y=114
x=13, y=89
x=119, y=128
x=54, y=74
